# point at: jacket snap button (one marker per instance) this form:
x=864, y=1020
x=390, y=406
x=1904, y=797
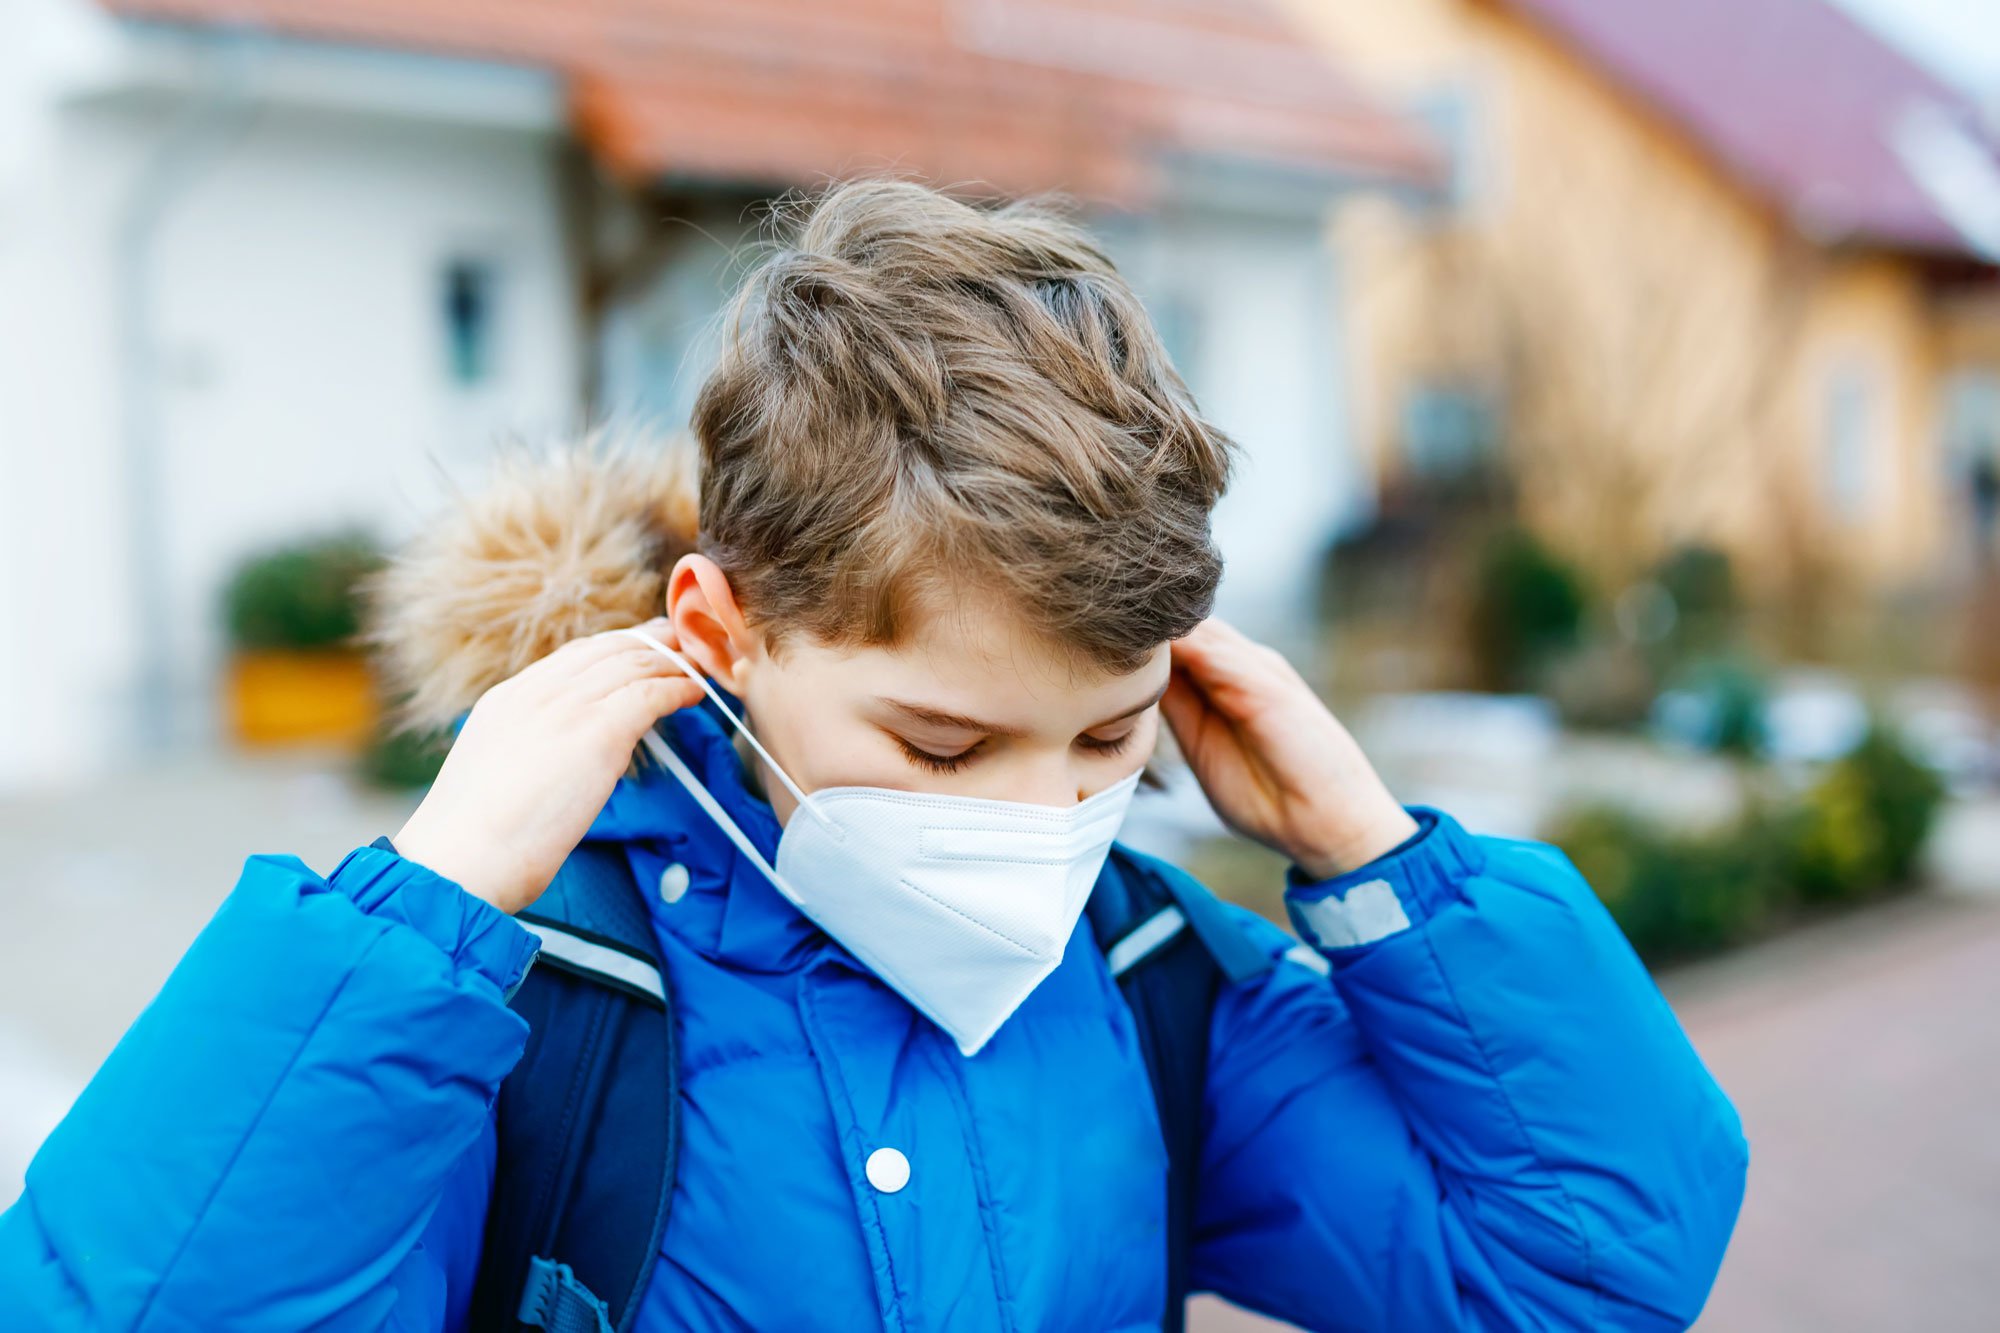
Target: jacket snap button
x=673, y=882
x=888, y=1170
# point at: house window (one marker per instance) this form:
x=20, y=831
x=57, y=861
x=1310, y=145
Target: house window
x=470, y=302
x=1972, y=452
x=1850, y=431
x=1450, y=114
x=1449, y=431
x=1972, y=416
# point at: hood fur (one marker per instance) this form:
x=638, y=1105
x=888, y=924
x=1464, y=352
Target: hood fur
x=563, y=540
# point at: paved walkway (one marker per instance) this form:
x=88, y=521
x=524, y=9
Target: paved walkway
x=1863, y=1053
x=1865, y=1059
x=103, y=889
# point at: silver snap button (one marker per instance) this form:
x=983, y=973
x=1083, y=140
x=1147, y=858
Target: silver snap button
x=673, y=882
x=888, y=1170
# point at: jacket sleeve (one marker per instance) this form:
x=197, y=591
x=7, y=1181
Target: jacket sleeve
x=1468, y=1107
x=268, y=1144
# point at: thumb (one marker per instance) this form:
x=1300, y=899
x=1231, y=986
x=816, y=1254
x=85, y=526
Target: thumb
x=1185, y=710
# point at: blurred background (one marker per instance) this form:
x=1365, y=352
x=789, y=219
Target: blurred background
x=1619, y=380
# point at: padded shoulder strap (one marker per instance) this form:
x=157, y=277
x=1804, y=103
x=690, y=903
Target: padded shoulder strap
x=586, y=1159
x=1141, y=905
x=1172, y=947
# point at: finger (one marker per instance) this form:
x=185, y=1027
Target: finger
x=588, y=650
x=609, y=641
x=661, y=631
x=1183, y=707
x=1210, y=633
x=579, y=654
x=1222, y=661
x=1210, y=641
x=634, y=662
x=659, y=627
x=641, y=703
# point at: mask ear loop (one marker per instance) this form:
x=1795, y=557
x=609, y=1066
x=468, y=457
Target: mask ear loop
x=708, y=688
x=664, y=754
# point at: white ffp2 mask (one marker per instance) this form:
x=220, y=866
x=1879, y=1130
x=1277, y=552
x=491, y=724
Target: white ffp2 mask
x=962, y=904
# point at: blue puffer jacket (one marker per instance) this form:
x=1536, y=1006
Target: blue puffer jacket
x=1469, y=1109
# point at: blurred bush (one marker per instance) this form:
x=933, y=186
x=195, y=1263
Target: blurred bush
x=1862, y=827
x=1527, y=608
x=1702, y=585
x=1603, y=684
x=1855, y=833
x=301, y=596
x=1677, y=894
x=1718, y=703
x=404, y=760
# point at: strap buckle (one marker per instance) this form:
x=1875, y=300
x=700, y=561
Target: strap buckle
x=553, y=1299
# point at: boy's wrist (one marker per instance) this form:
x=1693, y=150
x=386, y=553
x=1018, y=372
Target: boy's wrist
x=1363, y=832
x=441, y=855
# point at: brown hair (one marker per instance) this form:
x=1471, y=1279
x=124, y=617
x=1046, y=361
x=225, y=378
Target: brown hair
x=917, y=397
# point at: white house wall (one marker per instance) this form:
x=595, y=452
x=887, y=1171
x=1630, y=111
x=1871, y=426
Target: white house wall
x=304, y=383
x=1244, y=301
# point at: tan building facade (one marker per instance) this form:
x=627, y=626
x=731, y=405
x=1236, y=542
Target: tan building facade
x=1703, y=276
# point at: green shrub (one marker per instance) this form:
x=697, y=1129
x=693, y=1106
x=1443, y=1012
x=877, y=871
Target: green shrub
x=1832, y=843
x=1527, y=607
x=300, y=596
x=1703, y=586
x=1676, y=894
x=404, y=760
x=1732, y=696
x=1861, y=828
x=1856, y=833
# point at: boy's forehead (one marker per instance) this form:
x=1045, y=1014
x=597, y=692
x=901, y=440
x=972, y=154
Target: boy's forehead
x=978, y=652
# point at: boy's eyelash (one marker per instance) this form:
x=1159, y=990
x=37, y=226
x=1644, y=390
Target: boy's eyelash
x=936, y=763
x=951, y=763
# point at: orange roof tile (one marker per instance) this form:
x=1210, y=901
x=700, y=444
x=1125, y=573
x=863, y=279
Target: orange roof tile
x=1090, y=96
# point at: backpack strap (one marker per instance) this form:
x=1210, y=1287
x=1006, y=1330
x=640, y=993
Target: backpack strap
x=1171, y=947
x=573, y=1232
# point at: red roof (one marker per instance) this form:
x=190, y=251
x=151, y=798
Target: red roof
x=1092, y=96
x=1793, y=97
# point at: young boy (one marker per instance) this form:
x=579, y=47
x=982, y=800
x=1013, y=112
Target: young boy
x=953, y=564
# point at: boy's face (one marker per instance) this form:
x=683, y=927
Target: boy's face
x=971, y=704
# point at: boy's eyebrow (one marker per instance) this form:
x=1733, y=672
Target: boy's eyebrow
x=939, y=717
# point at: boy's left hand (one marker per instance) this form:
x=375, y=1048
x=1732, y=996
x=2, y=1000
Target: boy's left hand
x=1275, y=762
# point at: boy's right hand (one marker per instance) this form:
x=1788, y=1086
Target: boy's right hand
x=537, y=759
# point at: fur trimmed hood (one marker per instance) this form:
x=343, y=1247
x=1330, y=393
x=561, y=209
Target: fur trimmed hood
x=562, y=541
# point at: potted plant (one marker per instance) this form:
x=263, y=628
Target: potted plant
x=296, y=673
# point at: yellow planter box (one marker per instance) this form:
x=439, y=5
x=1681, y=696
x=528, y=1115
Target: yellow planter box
x=285, y=697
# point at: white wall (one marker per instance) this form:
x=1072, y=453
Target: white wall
x=1245, y=302
x=296, y=277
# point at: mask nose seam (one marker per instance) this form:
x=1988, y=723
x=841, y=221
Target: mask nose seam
x=921, y=892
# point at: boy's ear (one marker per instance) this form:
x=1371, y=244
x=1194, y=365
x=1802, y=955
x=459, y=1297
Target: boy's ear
x=708, y=625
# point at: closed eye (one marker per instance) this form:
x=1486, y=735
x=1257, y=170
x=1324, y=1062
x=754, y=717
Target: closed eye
x=937, y=763
x=952, y=763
